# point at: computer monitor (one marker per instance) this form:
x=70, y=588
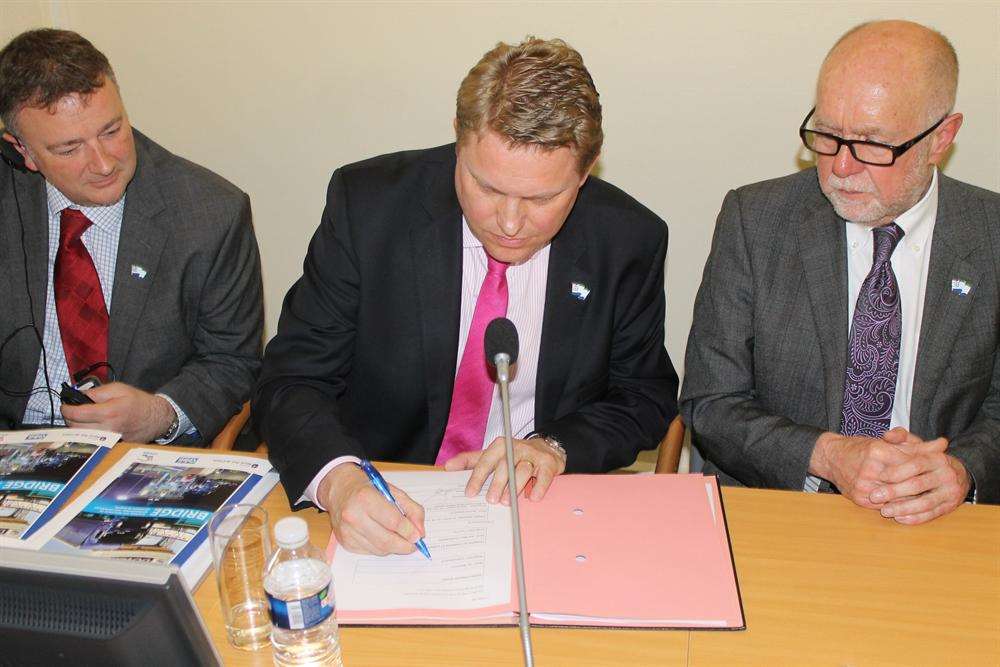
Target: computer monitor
x=78, y=610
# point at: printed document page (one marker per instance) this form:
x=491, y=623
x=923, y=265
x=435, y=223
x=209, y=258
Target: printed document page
x=470, y=544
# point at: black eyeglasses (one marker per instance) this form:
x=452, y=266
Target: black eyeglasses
x=869, y=152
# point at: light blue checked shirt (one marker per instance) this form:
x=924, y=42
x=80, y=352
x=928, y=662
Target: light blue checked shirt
x=101, y=241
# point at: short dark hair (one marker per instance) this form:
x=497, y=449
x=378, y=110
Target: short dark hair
x=40, y=67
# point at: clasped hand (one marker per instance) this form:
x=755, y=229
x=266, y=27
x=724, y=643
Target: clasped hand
x=907, y=479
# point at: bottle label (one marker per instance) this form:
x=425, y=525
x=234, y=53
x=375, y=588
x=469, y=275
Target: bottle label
x=301, y=614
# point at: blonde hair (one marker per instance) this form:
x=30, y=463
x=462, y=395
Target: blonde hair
x=535, y=93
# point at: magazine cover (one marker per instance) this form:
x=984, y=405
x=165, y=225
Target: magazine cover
x=39, y=470
x=154, y=506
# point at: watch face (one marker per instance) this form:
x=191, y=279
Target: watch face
x=172, y=431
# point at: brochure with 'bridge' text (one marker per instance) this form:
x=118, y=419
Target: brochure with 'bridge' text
x=39, y=471
x=154, y=506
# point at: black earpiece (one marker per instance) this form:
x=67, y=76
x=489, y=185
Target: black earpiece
x=10, y=155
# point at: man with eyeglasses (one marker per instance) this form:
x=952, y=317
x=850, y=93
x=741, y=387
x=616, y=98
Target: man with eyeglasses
x=845, y=333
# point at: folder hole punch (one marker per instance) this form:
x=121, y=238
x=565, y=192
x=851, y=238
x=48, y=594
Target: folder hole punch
x=577, y=511
x=581, y=558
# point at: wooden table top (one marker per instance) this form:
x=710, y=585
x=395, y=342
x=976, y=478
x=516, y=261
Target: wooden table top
x=823, y=583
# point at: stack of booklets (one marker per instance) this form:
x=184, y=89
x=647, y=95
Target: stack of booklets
x=152, y=505
x=643, y=551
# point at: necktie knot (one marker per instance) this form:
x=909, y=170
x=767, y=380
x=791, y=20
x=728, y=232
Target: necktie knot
x=886, y=240
x=495, y=267
x=72, y=224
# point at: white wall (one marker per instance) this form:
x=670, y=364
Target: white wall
x=698, y=98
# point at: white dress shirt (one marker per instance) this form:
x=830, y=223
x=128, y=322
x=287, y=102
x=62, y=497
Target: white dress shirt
x=101, y=241
x=910, y=261
x=525, y=308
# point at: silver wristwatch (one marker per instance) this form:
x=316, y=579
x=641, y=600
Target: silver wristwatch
x=553, y=443
x=175, y=425
x=171, y=432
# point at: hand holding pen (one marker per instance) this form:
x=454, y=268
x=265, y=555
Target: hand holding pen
x=363, y=519
x=382, y=487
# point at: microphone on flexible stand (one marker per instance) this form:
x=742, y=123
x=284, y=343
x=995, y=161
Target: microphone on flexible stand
x=500, y=344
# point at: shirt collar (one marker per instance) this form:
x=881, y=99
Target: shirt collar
x=920, y=217
x=469, y=239
x=105, y=218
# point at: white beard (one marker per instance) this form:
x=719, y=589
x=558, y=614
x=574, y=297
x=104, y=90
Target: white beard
x=873, y=211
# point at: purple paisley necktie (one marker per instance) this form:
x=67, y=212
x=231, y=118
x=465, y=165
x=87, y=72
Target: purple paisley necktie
x=873, y=354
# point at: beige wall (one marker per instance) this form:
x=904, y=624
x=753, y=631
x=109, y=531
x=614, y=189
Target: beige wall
x=698, y=98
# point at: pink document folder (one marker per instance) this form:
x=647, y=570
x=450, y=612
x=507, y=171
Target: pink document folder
x=630, y=550
x=612, y=551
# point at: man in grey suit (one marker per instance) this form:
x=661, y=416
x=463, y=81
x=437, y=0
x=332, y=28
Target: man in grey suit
x=845, y=333
x=117, y=259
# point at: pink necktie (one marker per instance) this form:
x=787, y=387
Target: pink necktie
x=470, y=402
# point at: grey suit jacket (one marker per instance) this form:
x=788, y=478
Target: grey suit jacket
x=765, y=361
x=191, y=328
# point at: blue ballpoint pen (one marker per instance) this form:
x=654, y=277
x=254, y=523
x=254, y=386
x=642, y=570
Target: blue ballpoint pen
x=379, y=483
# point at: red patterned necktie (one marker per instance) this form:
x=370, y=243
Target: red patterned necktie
x=473, y=395
x=83, y=316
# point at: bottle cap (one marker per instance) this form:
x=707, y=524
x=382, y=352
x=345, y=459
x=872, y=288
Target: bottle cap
x=291, y=532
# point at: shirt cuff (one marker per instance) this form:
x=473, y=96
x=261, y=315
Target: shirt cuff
x=309, y=495
x=184, y=425
x=973, y=496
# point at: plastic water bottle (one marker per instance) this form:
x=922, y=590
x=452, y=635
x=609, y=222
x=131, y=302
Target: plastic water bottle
x=300, y=594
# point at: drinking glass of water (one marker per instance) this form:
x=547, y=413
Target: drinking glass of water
x=240, y=550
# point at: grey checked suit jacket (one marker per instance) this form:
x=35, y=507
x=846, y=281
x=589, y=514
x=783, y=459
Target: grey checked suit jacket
x=766, y=356
x=191, y=328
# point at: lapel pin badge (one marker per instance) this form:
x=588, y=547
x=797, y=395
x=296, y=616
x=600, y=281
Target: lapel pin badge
x=138, y=272
x=579, y=291
x=960, y=287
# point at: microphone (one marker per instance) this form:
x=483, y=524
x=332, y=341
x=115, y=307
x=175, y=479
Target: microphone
x=500, y=345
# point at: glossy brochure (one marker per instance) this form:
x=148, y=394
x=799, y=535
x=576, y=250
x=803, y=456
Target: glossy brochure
x=39, y=471
x=154, y=506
